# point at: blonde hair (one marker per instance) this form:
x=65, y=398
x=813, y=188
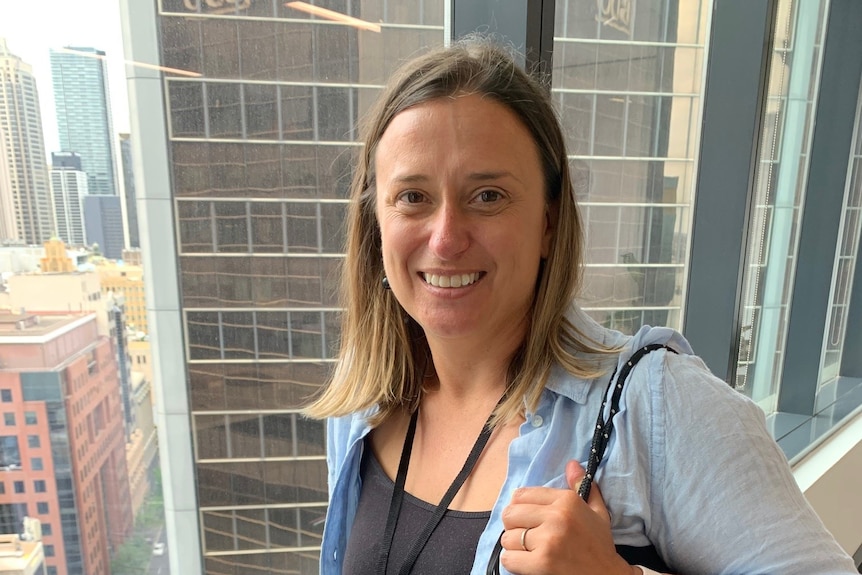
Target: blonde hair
x=384, y=356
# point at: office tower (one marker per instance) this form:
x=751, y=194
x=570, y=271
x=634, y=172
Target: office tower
x=260, y=149
x=63, y=434
x=103, y=224
x=69, y=187
x=8, y=231
x=84, y=113
x=24, y=150
x=130, y=208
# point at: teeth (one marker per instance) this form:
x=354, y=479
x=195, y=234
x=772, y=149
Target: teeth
x=451, y=281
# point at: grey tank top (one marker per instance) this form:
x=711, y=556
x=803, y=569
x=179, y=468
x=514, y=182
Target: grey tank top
x=449, y=551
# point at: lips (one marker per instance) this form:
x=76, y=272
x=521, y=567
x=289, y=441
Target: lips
x=450, y=281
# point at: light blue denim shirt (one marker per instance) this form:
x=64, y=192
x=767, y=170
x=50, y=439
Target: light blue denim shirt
x=690, y=468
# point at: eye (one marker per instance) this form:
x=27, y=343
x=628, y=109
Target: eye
x=489, y=196
x=411, y=197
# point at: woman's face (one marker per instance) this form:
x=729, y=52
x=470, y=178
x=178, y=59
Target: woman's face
x=463, y=217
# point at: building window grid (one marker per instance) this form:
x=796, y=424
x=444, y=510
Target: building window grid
x=231, y=426
x=224, y=247
x=249, y=519
x=846, y=259
x=243, y=136
x=606, y=255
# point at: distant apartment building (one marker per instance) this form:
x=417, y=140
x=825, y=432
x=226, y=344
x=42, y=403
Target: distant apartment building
x=132, y=256
x=142, y=445
x=28, y=191
x=68, y=292
x=103, y=224
x=83, y=108
x=68, y=189
x=126, y=280
x=60, y=399
x=139, y=351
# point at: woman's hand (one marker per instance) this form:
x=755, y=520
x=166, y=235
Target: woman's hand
x=564, y=534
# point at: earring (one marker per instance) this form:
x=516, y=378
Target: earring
x=385, y=283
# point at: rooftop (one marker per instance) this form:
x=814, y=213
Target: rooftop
x=30, y=324
x=17, y=555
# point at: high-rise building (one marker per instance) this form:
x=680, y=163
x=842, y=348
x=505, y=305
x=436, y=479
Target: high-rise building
x=63, y=431
x=69, y=187
x=103, y=224
x=8, y=231
x=84, y=113
x=259, y=152
x=24, y=149
x=130, y=208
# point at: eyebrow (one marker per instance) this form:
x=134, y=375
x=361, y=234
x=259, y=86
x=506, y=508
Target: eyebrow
x=474, y=176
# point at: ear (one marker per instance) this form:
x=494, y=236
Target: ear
x=550, y=224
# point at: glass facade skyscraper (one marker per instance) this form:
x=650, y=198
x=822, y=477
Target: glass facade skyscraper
x=260, y=140
x=83, y=108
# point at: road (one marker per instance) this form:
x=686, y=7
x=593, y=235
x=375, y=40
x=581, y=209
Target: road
x=159, y=563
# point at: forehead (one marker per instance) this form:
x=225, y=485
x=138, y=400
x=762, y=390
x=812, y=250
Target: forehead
x=479, y=128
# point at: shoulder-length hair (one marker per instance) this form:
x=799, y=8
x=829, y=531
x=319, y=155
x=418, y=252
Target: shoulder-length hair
x=384, y=357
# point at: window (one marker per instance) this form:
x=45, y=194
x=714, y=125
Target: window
x=6, y=395
x=42, y=507
x=46, y=529
x=52, y=570
x=49, y=550
x=9, y=418
x=36, y=464
x=33, y=441
x=19, y=487
x=39, y=486
x=2, y=487
x=30, y=418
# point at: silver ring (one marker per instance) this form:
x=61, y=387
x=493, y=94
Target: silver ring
x=524, y=537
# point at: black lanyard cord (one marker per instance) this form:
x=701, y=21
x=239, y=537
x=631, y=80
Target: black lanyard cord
x=601, y=436
x=442, y=507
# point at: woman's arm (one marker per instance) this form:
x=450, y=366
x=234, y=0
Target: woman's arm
x=725, y=500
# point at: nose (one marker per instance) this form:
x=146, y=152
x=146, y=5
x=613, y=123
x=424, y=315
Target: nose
x=450, y=232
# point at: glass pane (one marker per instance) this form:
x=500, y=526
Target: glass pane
x=629, y=88
x=779, y=187
x=847, y=257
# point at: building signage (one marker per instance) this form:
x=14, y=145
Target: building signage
x=216, y=6
x=617, y=14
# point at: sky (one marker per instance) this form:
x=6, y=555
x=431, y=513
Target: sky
x=33, y=27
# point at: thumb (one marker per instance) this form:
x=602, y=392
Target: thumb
x=574, y=474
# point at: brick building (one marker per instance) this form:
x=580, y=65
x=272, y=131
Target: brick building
x=63, y=440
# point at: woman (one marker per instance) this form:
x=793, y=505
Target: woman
x=462, y=354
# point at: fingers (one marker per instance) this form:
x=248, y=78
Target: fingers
x=574, y=475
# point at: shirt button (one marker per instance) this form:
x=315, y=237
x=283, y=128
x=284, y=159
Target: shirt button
x=537, y=421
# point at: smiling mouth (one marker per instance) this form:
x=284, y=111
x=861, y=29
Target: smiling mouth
x=454, y=281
